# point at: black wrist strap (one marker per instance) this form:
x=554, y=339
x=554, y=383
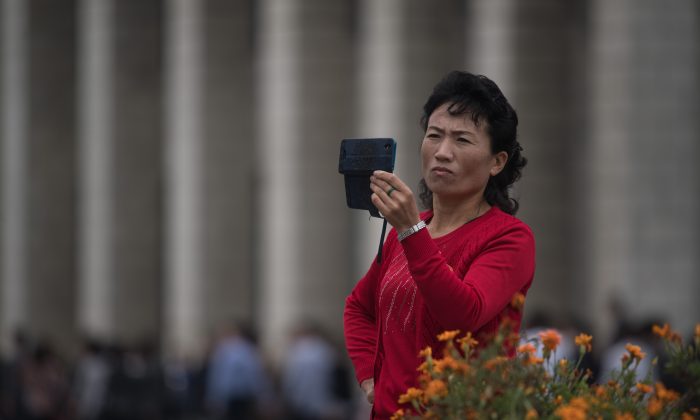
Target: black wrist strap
x=381, y=243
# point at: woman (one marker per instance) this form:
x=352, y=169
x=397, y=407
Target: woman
x=455, y=266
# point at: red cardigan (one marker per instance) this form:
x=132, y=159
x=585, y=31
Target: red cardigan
x=424, y=286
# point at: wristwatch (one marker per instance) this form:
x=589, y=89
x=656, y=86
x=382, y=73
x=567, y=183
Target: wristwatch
x=410, y=231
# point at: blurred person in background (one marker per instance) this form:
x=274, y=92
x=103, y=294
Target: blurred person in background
x=135, y=385
x=44, y=386
x=456, y=266
x=236, y=378
x=11, y=404
x=313, y=378
x=90, y=382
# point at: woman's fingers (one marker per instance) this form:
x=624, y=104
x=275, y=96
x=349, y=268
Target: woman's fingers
x=394, y=199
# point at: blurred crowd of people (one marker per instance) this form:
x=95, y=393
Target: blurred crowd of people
x=313, y=382
x=109, y=382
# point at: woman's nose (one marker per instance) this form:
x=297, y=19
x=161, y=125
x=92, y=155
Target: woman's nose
x=444, y=150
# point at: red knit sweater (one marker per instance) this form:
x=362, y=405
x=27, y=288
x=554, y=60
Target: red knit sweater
x=464, y=280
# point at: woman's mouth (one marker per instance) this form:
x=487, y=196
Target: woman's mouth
x=439, y=170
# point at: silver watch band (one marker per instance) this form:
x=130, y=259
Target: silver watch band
x=410, y=231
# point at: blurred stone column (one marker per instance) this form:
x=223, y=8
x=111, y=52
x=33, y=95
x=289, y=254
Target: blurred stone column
x=96, y=95
x=541, y=64
x=182, y=290
x=51, y=261
x=405, y=48
x=137, y=164
x=643, y=201
x=120, y=169
x=229, y=123
x=491, y=37
x=304, y=109
x=13, y=199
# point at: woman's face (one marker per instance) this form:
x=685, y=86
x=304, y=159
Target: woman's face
x=456, y=155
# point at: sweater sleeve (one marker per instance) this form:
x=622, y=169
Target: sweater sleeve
x=505, y=266
x=360, y=327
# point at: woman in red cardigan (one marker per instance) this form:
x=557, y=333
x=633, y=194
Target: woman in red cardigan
x=456, y=265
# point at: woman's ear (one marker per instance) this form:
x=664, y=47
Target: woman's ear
x=500, y=160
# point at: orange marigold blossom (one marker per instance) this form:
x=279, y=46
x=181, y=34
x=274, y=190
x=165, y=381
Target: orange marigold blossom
x=584, y=340
x=687, y=416
x=527, y=348
x=635, y=351
x=697, y=331
x=492, y=363
x=600, y=392
x=468, y=341
x=426, y=352
x=579, y=402
x=448, y=335
x=518, y=301
x=446, y=363
x=436, y=388
x=410, y=395
x=533, y=360
x=550, y=339
x=643, y=388
x=398, y=415
x=654, y=407
x=563, y=363
x=531, y=414
x=665, y=394
x=559, y=400
x=661, y=331
x=624, y=416
x=567, y=412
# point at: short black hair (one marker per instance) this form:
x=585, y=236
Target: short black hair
x=481, y=98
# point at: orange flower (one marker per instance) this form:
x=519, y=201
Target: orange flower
x=468, y=341
x=665, y=394
x=666, y=333
x=579, y=402
x=643, y=388
x=518, y=301
x=533, y=360
x=654, y=407
x=624, y=416
x=426, y=352
x=492, y=363
x=661, y=331
x=448, y=335
x=584, y=341
x=563, y=363
x=423, y=367
x=527, y=348
x=687, y=416
x=398, y=415
x=449, y=363
x=558, y=400
x=531, y=414
x=550, y=339
x=567, y=412
x=600, y=392
x=436, y=388
x=635, y=351
x=412, y=394
x=697, y=331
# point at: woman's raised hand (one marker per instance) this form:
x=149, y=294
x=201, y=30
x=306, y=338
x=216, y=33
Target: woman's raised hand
x=394, y=200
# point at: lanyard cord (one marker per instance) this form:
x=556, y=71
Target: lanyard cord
x=381, y=243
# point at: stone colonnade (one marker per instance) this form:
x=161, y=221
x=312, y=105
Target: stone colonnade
x=171, y=165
